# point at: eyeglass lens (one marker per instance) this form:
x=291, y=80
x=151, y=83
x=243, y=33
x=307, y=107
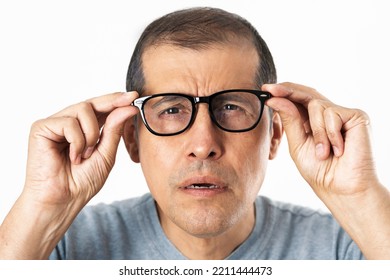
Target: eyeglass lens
x=168, y=114
x=236, y=110
x=233, y=111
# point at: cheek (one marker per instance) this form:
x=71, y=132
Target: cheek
x=260, y=151
x=157, y=160
x=252, y=152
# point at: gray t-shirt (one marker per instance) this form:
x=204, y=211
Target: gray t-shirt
x=130, y=229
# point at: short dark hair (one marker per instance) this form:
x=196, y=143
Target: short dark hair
x=199, y=28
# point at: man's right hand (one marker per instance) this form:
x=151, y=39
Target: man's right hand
x=70, y=157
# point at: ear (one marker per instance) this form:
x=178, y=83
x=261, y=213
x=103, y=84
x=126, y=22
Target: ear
x=130, y=137
x=276, y=134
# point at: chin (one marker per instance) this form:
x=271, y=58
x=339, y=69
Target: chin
x=206, y=223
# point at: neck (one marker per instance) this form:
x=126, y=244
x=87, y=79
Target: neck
x=209, y=248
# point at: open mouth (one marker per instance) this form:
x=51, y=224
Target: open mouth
x=202, y=186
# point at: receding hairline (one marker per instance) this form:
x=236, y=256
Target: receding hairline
x=234, y=42
x=229, y=38
x=211, y=46
x=199, y=29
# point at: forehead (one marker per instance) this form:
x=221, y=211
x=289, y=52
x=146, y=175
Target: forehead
x=170, y=68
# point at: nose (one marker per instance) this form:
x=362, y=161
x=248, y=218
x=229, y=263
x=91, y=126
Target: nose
x=204, y=139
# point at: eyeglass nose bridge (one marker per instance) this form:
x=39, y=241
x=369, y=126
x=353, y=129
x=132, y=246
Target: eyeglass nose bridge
x=198, y=100
x=141, y=101
x=202, y=99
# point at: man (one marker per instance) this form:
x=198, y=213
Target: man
x=202, y=115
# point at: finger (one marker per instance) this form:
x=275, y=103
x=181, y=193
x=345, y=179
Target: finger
x=89, y=125
x=103, y=104
x=74, y=136
x=334, y=126
x=107, y=103
x=62, y=130
x=294, y=92
x=293, y=123
x=316, y=109
x=92, y=114
x=336, y=120
x=113, y=131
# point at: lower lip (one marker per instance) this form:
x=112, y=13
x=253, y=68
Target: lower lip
x=203, y=192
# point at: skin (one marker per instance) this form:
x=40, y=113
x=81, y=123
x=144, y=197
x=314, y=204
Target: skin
x=204, y=224
x=69, y=160
x=340, y=169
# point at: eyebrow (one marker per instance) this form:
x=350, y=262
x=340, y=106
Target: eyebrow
x=166, y=98
x=240, y=98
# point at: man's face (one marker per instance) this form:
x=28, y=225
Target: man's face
x=230, y=167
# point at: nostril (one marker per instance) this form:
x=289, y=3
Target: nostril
x=212, y=154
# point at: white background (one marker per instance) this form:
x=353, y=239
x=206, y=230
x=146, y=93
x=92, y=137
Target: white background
x=57, y=53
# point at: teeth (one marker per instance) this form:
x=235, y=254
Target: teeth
x=202, y=187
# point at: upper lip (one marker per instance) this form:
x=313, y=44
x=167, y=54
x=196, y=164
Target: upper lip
x=203, y=180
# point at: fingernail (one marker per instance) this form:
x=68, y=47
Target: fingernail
x=88, y=152
x=336, y=151
x=73, y=155
x=78, y=159
x=319, y=150
x=132, y=94
x=267, y=86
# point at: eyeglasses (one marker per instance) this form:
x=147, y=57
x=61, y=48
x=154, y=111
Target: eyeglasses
x=234, y=110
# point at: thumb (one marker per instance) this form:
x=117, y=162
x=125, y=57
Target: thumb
x=112, y=132
x=292, y=120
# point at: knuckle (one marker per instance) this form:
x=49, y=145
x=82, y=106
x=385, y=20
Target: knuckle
x=362, y=117
x=287, y=84
x=83, y=106
x=363, y=114
x=37, y=126
x=330, y=112
x=37, y=123
x=332, y=134
x=318, y=133
x=315, y=104
x=71, y=122
x=312, y=90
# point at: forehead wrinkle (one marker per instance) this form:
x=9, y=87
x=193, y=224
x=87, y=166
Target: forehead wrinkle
x=186, y=81
x=190, y=74
x=210, y=82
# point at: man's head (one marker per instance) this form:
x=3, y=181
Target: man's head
x=204, y=179
x=199, y=29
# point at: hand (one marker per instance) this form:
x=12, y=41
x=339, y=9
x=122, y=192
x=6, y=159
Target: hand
x=329, y=144
x=69, y=158
x=331, y=147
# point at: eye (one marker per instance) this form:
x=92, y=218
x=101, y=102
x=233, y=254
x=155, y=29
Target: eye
x=174, y=112
x=230, y=107
x=171, y=111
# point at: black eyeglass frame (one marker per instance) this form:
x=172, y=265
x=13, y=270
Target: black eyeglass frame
x=140, y=102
